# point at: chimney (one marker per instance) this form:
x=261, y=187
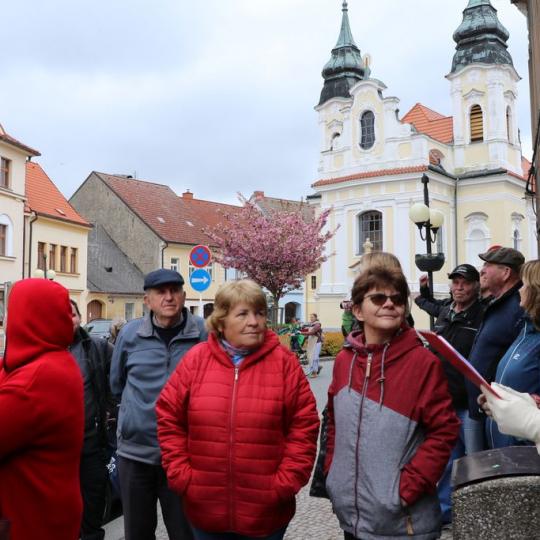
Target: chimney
x=258, y=195
x=187, y=194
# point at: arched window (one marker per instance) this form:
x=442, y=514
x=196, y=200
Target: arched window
x=370, y=226
x=477, y=237
x=509, y=124
x=477, y=124
x=367, y=130
x=334, y=144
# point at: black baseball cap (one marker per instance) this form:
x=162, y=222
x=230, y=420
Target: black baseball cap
x=467, y=271
x=161, y=277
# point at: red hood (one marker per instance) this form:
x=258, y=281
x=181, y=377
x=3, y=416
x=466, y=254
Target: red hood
x=38, y=321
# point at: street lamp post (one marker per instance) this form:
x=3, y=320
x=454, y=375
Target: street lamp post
x=428, y=222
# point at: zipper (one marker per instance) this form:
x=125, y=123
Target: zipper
x=367, y=375
x=502, y=378
x=410, y=530
x=231, y=447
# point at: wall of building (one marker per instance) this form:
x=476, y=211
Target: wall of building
x=97, y=203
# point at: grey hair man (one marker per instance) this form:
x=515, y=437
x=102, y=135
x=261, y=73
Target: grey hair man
x=146, y=353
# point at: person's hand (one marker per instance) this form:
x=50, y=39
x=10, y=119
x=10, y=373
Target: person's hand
x=482, y=401
x=516, y=413
x=423, y=280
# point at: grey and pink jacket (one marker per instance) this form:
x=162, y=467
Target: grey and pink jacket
x=390, y=433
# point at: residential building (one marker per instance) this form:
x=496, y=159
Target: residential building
x=13, y=157
x=153, y=228
x=372, y=161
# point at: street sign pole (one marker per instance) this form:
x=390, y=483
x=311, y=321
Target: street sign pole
x=201, y=307
x=200, y=279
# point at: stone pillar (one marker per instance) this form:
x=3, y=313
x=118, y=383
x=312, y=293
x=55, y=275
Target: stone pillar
x=497, y=495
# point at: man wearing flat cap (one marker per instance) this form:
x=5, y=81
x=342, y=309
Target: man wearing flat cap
x=503, y=318
x=458, y=323
x=146, y=353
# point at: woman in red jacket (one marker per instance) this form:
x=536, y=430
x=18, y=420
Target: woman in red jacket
x=237, y=424
x=41, y=416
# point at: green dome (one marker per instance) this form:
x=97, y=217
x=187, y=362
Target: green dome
x=345, y=67
x=480, y=38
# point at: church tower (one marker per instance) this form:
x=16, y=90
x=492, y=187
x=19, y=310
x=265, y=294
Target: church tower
x=484, y=91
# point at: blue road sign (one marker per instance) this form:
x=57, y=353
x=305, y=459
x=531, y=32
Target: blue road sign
x=200, y=280
x=200, y=256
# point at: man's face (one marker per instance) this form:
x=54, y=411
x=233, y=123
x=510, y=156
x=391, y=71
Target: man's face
x=493, y=277
x=165, y=302
x=463, y=291
x=75, y=318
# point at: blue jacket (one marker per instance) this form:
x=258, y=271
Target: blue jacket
x=519, y=369
x=503, y=320
x=140, y=367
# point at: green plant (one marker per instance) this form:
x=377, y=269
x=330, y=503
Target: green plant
x=332, y=344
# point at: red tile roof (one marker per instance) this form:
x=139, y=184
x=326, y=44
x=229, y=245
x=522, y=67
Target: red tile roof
x=431, y=123
x=14, y=142
x=370, y=174
x=45, y=199
x=180, y=220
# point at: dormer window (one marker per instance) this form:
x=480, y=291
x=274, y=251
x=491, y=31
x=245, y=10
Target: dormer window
x=367, y=130
x=477, y=124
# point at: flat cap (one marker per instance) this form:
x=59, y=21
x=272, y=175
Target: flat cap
x=162, y=276
x=467, y=271
x=503, y=255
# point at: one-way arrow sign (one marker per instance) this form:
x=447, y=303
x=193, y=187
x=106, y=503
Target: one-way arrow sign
x=200, y=280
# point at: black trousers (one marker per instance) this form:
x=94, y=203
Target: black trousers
x=142, y=485
x=94, y=478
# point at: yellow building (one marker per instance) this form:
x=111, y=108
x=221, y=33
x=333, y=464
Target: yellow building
x=372, y=163
x=56, y=235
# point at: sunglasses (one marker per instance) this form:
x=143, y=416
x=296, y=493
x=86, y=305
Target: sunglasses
x=379, y=299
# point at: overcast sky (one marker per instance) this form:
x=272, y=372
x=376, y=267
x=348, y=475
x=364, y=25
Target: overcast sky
x=215, y=96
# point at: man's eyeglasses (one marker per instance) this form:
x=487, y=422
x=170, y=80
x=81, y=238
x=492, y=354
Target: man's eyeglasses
x=379, y=299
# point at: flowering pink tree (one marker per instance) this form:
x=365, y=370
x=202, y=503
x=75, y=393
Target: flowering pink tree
x=277, y=248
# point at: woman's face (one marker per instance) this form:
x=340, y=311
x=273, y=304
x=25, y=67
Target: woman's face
x=244, y=327
x=382, y=311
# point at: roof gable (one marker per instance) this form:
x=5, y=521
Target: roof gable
x=179, y=220
x=45, y=199
x=431, y=123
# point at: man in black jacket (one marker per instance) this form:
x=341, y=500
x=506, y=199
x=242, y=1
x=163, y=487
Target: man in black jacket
x=458, y=322
x=93, y=355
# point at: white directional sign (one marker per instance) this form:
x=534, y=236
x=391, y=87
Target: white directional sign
x=200, y=280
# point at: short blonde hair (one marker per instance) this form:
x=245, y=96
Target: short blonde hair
x=530, y=275
x=230, y=295
x=379, y=258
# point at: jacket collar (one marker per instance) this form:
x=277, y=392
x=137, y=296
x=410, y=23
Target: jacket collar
x=510, y=292
x=190, y=328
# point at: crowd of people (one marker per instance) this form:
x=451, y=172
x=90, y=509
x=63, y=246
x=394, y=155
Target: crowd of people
x=216, y=420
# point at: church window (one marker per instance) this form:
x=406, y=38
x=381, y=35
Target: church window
x=370, y=227
x=477, y=124
x=477, y=237
x=509, y=124
x=334, y=145
x=367, y=129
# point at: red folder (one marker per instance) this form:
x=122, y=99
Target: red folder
x=448, y=352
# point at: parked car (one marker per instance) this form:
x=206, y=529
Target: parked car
x=99, y=328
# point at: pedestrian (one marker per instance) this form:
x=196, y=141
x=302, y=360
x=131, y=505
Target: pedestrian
x=147, y=351
x=314, y=343
x=238, y=425
x=347, y=318
x=458, y=323
x=502, y=322
x=391, y=424
x=519, y=368
x=41, y=416
x=93, y=356
x=116, y=326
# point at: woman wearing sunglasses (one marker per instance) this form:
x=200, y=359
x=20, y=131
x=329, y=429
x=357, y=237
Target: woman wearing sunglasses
x=391, y=421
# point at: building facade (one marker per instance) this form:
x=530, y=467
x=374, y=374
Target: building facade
x=372, y=162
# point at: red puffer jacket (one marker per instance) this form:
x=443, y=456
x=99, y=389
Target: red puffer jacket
x=238, y=442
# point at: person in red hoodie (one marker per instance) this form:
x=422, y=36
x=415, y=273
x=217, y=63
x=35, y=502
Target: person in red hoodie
x=237, y=424
x=391, y=423
x=41, y=416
